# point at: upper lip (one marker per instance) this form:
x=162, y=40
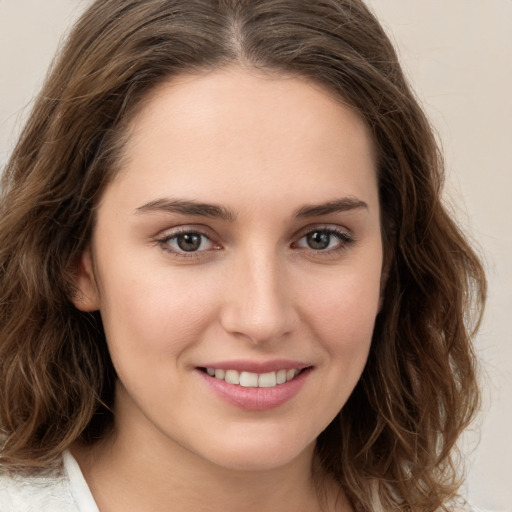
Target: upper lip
x=246, y=365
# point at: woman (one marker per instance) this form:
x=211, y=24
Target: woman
x=227, y=276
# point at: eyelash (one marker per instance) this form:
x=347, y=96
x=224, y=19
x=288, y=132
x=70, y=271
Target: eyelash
x=344, y=240
x=164, y=242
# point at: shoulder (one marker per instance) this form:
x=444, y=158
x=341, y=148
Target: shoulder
x=62, y=491
x=46, y=493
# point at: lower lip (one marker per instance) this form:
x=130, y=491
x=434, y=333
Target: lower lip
x=256, y=399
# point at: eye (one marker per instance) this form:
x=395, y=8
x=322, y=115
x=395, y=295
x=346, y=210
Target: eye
x=187, y=242
x=324, y=239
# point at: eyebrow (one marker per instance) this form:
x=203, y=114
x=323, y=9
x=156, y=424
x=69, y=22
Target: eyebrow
x=214, y=211
x=338, y=205
x=188, y=207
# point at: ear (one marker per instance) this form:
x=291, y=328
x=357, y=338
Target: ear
x=86, y=296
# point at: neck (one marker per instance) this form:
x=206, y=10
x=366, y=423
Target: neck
x=123, y=480
x=138, y=468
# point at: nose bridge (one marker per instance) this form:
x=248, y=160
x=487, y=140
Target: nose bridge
x=259, y=305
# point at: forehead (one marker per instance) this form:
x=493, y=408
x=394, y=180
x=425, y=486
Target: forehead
x=232, y=128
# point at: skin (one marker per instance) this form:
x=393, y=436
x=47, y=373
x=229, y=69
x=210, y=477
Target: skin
x=262, y=147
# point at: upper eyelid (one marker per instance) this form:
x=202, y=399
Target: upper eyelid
x=335, y=228
x=345, y=239
x=211, y=235
x=173, y=232
x=185, y=228
x=164, y=242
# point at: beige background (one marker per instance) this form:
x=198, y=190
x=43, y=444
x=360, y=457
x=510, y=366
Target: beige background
x=458, y=54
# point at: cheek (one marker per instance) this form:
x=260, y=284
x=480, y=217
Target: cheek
x=154, y=315
x=342, y=312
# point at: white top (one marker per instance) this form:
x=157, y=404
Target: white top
x=67, y=491
x=60, y=492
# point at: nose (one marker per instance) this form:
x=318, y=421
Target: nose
x=259, y=305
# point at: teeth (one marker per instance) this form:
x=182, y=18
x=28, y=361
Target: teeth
x=232, y=377
x=253, y=380
x=267, y=380
x=249, y=380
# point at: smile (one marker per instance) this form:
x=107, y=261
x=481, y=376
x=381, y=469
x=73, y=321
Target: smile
x=256, y=386
x=254, y=380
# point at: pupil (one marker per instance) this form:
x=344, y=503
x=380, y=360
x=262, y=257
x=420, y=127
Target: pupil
x=318, y=240
x=189, y=242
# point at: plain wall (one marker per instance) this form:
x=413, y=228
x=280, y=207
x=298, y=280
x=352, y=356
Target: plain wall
x=458, y=55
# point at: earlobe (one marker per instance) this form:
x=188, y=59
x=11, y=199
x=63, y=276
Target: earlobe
x=85, y=297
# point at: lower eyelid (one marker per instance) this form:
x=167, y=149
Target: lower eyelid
x=165, y=242
x=344, y=238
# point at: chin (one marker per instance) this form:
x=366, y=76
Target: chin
x=265, y=456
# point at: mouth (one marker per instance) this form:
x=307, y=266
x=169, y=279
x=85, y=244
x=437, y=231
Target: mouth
x=256, y=386
x=254, y=380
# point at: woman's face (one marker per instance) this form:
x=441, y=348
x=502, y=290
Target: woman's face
x=240, y=238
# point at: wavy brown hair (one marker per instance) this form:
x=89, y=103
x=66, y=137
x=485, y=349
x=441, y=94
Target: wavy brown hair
x=394, y=439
